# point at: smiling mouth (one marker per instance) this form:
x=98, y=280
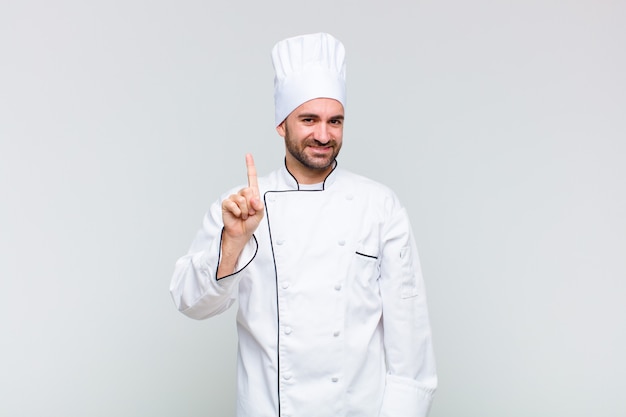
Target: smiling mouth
x=321, y=148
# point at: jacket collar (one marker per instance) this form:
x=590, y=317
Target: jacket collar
x=290, y=182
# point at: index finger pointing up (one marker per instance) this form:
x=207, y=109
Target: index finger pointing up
x=252, y=177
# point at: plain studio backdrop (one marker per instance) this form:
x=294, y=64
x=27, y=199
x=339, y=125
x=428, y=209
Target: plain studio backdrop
x=500, y=124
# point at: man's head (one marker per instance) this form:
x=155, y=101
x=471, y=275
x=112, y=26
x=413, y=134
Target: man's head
x=310, y=95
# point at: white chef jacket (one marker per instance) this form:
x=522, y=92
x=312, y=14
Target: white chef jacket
x=332, y=318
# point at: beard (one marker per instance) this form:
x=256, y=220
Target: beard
x=298, y=151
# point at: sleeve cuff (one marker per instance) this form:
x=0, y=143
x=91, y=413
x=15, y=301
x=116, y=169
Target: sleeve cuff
x=405, y=397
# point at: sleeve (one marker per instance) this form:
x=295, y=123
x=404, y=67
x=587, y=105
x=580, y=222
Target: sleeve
x=194, y=287
x=411, y=377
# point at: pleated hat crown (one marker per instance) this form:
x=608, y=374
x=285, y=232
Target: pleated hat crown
x=307, y=67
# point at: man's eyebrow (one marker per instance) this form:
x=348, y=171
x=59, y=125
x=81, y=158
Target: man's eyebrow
x=308, y=116
x=316, y=116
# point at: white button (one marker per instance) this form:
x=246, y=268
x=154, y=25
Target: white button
x=287, y=330
x=336, y=333
x=349, y=197
x=287, y=377
x=338, y=287
x=334, y=379
x=284, y=285
x=342, y=242
x=280, y=242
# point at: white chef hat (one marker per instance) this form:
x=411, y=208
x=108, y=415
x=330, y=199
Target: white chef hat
x=307, y=67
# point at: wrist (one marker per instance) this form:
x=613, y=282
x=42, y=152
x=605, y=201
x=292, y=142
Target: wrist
x=230, y=250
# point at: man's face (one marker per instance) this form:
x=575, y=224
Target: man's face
x=313, y=134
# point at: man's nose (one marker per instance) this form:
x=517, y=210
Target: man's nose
x=322, y=135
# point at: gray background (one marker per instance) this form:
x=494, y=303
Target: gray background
x=500, y=124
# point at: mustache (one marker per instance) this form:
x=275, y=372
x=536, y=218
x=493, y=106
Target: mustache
x=316, y=142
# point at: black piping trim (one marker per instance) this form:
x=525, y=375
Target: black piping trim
x=269, y=229
x=298, y=184
x=366, y=255
x=331, y=171
x=292, y=176
x=219, y=257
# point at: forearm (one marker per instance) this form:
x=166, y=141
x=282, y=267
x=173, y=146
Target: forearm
x=194, y=286
x=230, y=253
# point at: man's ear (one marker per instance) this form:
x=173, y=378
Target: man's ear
x=281, y=129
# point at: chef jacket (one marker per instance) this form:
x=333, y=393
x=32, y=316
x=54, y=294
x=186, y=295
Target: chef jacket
x=332, y=318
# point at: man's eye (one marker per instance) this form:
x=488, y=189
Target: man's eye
x=335, y=122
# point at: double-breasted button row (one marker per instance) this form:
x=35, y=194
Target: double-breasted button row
x=288, y=376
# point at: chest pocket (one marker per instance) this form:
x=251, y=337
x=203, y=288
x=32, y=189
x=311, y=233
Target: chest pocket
x=366, y=265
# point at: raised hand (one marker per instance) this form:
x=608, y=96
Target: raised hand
x=241, y=214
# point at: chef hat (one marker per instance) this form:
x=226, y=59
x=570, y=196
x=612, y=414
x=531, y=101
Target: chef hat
x=307, y=67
